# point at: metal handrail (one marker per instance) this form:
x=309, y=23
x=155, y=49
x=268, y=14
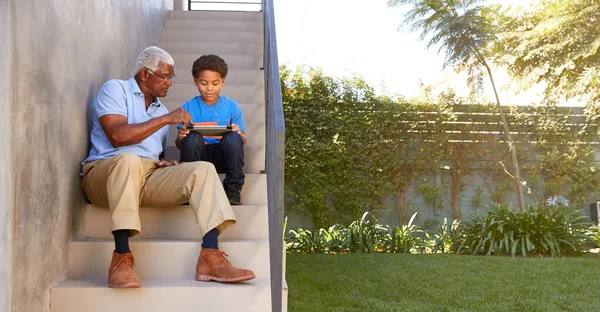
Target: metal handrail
x=275, y=152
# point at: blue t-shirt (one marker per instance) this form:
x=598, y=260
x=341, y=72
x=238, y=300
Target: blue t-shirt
x=224, y=112
x=123, y=97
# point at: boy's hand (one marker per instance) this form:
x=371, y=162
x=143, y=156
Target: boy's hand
x=236, y=128
x=182, y=132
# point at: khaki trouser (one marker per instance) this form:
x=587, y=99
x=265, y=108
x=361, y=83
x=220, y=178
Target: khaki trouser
x=125, y=182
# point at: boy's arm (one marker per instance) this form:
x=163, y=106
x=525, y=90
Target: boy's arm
x=237, y=121
x=242, y=134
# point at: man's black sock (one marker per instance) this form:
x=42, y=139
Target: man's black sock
x=211, y=239
x=121, y=241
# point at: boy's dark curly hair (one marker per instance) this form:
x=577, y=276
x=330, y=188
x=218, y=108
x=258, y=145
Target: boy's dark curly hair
x=210, y=62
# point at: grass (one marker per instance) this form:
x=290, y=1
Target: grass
x=405, y=282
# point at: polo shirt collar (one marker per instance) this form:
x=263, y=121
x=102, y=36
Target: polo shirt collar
x=136, y=90
x=134, y=86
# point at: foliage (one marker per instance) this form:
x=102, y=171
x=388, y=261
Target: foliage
x=555, y=43
x=446, y=234
x=594, y=234
x=552, y=230
x=347, y=149
x=362, y=235
x=318, y=179
x=539, y=230
x=464, y=30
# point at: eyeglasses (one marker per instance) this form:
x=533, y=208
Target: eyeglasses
x=163, y=77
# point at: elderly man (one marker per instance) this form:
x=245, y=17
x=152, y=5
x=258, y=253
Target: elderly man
x=125, y=170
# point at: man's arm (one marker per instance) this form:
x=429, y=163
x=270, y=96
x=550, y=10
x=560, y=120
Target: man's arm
x=120, y=133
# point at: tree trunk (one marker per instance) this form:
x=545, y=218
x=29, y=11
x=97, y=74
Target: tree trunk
x=455, y=192
x=513, y=148
x=401, y=204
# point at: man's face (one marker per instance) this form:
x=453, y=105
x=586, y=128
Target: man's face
x=209, y=85
x=158, y=81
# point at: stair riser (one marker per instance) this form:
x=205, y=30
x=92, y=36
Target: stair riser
x=234, y=76
x=220, y=48
x=241, y=94
x=180, y=223
x=241, y=297
x=237, y=62
x=207, y=37
x=219, y=17
x=164, y=259
x=212, y=25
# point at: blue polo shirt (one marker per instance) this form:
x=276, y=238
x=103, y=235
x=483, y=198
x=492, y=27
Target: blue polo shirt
x=123, y=97
x=224, y=112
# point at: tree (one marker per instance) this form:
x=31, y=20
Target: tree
x=463, y=30
x=558, y=44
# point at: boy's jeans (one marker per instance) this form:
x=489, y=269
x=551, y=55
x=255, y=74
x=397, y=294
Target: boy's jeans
x=227, y=155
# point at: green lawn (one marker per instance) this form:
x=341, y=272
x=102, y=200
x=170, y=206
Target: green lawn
x=404, y=282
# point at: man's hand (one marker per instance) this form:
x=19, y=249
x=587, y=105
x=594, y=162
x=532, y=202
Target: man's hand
x=177, y=116
x=167, y=162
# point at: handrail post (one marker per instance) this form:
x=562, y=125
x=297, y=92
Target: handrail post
x=275, y=138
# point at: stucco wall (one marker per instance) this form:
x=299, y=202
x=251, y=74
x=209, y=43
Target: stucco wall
x=5, y=181
x=64, y=50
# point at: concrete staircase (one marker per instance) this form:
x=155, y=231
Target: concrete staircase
x=167, y=249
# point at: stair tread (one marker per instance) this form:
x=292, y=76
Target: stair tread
x=134, y=240
x=162, y=282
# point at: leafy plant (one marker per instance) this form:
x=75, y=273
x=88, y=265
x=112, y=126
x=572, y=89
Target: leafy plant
x=539, y=230
x=431, y=195
x=409, y=238
x=446, y=234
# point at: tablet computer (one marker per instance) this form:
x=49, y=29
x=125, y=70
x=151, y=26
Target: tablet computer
x=211, y=130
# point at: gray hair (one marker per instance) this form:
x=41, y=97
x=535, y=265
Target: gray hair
x=150, y=57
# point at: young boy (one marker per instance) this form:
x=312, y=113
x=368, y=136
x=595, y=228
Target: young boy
x=211, y=108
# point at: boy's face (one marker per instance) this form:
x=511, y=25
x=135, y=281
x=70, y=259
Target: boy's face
x=209, y=85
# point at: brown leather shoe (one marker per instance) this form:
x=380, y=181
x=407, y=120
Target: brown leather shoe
x=213, y=266
x=121, y=273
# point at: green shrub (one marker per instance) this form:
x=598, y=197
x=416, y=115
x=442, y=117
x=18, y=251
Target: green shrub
x=539, y=230
x=442, y=240
x=594, y=235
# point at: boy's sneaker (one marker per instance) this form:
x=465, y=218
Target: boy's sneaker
x=233, y=194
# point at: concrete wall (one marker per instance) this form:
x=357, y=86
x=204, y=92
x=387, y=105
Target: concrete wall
x=64, y=50
x=5, y=177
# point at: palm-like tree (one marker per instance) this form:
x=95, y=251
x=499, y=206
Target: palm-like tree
x=463, y=29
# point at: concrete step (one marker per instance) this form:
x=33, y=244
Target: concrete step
x=221, y=17
x=234, y=77
x=179, y=222
x=90, y=258
x=159, y=295
x=208, y=37
x=219, y=48
x=234, y=62
x=181, y=93
x=254, y=157
x=209, y=25
x=231, y=5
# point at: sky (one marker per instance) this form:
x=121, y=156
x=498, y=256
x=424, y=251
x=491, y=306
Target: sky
x=362, y=37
